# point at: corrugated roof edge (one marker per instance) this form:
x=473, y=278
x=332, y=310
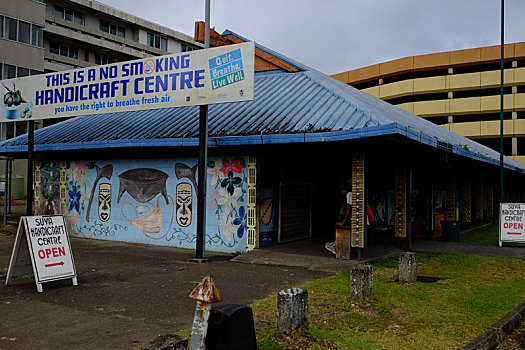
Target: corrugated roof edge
x=331, y=136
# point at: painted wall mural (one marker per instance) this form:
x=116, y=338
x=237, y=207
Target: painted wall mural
x=155, y=201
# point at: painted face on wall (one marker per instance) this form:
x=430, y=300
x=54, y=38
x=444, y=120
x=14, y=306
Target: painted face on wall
x=104, y=202
x=184, y=204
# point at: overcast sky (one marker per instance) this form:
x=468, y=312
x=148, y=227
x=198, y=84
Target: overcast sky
x=338, y=35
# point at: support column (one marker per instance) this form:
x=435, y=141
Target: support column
x=450, y=199
x=358, y=217
x=490, y=198
x=36, y=206
x=400, y=201
x=478, y=195
x=467, y=199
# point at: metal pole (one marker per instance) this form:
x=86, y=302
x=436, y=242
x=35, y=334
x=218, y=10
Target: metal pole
x=9, y=185
x=6, y=200
x=30, y=148
x=502, y=194
x=203, y=157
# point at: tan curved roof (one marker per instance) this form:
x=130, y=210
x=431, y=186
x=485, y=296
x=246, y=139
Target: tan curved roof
x=480, y=55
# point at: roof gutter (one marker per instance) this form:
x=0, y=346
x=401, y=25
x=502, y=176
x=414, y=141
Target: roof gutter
x=262, y=139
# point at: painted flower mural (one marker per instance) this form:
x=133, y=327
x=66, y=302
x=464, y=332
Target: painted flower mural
x=236, y=165
x=229, y=181
x=241, y=222
x=77, y=185
x=74, y=198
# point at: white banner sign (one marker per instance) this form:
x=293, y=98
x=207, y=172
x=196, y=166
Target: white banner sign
x=512, y=221
x=200, y=77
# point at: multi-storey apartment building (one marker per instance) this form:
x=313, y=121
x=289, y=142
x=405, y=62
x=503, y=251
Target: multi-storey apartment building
x=459, y=90
x=42, y=36
x=38, y=36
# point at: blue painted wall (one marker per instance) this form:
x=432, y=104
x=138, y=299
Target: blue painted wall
x=146, y=211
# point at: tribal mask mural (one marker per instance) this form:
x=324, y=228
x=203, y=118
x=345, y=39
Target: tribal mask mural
x=104, y=202
x=155, y=201
x=143, y=184
x=184, y=204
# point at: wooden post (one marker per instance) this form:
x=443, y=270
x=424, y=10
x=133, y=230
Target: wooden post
x=358, y=217
x=478, y=193
x=490, y=198
x=450, y=199
x=342, y=242
x=400, y=200
x=467, y=198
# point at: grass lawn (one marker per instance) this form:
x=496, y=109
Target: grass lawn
x=442, y=315
x=488, y=234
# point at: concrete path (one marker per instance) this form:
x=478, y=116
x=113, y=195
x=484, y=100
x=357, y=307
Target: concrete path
x=310, y=254
x=127, y=295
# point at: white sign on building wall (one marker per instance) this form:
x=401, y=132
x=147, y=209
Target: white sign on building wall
x=200, y=77
x=512, y=221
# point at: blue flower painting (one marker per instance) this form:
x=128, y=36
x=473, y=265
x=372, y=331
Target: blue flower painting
x=241, y=221
x=74, y=196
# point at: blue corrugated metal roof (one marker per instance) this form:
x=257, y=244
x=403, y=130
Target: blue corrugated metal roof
x=306, y=106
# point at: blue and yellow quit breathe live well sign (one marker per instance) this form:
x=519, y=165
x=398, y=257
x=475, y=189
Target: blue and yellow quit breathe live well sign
x=201, y=77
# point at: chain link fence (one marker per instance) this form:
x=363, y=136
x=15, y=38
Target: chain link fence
x=13, y=189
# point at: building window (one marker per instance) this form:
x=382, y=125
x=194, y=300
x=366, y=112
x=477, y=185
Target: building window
x=121, y=31
x=8, y=71
x=24, y=32
x=157, y=42
x=110, y=28
x=35, y=72
x=101, y=59
x=22, y=72
x=20, y=128
x=37, y=35
x=9, y=130
x=10, y=28
x=78, y=18
x=184, y=48
x=63, y=50
x=69, y=15
x=59, y=12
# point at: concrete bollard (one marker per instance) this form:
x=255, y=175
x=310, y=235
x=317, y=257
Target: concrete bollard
x=292, y=310
x=361, y=282
x=407, y=267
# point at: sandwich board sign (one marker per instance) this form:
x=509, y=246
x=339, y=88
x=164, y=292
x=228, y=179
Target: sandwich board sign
x=42, y=247
x=512, y=223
